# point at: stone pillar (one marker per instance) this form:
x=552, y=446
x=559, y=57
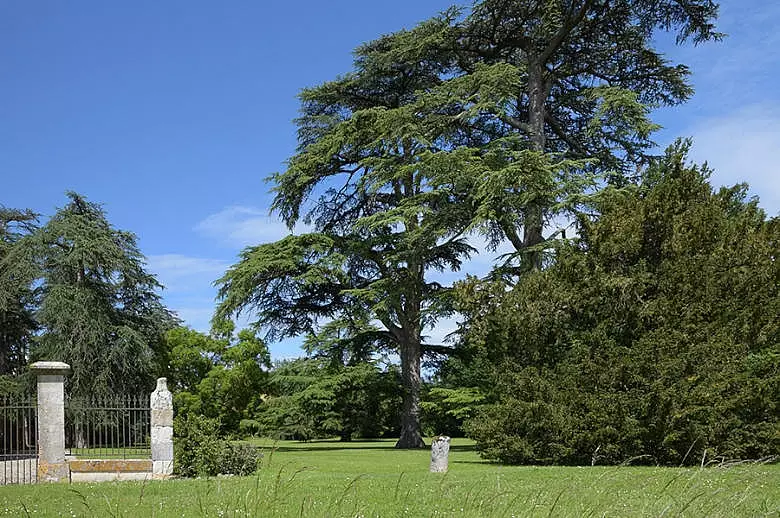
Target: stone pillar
x=52, y=466
x=162, y=430
x=440, y=451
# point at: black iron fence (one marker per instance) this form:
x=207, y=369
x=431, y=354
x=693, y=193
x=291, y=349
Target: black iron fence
x=110, y=427
x=18, y=439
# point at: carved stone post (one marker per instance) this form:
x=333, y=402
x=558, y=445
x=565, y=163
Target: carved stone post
x=52, y=466
x=440, y=451
x=162, y=430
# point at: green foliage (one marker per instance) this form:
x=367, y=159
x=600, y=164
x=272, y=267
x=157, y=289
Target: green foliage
x=222, y=376
x=200, y=451
x=656, y=335
x=313, y=398
x=198, y=446
x=249, y=427
x=444, y=409
x=99, y=309
x=189, y=358
x=94, y=304
x=17, y=295
x=240, y=459
x=534, y=101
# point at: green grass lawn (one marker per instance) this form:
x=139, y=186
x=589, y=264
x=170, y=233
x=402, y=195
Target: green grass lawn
x=328, y=478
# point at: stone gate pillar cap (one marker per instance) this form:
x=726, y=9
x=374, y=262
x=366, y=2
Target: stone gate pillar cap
x=50, y=368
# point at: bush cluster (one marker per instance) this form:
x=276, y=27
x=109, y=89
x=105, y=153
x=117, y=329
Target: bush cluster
x=201, y=452
x=654, y=336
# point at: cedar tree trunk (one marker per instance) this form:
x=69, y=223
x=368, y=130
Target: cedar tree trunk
x=411, y=436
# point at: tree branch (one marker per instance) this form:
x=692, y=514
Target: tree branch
x=560, y=133
x=511, y=233
x=565, y=30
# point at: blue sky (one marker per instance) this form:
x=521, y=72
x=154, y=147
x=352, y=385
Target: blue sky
x=172, y=113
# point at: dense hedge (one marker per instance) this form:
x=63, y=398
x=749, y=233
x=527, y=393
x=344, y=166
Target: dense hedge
x=654, y=336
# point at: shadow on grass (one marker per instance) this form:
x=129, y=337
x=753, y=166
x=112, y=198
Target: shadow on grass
x=363, y=444
x=463, y=447
x=331, y=445
x=340, y=447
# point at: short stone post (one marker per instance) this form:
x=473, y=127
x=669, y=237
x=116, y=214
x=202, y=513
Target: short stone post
x=52, y=466
x=161, y=403
x=440, y=451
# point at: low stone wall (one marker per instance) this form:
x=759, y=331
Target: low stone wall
x=109, y=470
x=18, y=471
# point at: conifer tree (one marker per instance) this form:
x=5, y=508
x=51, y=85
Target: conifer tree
x=384, y=216
x=17, y=296
x=484, y=121
x=99, y=309
x=552, y=98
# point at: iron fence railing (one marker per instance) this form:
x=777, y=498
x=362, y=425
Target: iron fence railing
x=110, y=427
x=18, y=439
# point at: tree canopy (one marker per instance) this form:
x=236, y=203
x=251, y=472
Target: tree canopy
x=222, y=376
x=655, y=336
x=478, y=121
x=97, y=307
x=311, y=398
x=539, y=101
x=17, y=294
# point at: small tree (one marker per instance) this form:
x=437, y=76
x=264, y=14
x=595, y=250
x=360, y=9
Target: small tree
x=221, y=377
x=314, y=397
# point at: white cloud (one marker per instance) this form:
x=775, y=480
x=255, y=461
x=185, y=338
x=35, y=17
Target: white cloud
x=743, y=146
x=743, y=65
x=241, y=226
x=188, y=282
x=177, y=265
x=185, y=275
x=439, y=332
x=198, y=318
